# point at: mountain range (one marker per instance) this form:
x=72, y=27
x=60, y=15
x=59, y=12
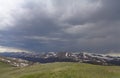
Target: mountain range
x=82, y=57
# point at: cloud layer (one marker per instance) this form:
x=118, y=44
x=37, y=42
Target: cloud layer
x=61, y=25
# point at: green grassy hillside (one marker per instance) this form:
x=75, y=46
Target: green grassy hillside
x=60, y=70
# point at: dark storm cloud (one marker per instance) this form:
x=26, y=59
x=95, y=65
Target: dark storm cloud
x=65, y=25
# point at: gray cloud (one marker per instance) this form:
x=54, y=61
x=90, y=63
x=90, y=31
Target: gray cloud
x=64, y=25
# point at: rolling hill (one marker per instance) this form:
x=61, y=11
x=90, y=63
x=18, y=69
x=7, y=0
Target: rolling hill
x=60, y=70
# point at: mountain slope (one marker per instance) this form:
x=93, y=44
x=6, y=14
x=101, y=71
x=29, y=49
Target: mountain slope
x=4, y=69
x=61, y=70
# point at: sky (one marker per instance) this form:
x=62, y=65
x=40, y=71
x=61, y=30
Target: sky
x=60, y=25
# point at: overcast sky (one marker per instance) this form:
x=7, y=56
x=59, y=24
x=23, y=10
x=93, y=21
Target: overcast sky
x=60, y=25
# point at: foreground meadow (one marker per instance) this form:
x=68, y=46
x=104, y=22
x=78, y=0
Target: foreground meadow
x=60, y=70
